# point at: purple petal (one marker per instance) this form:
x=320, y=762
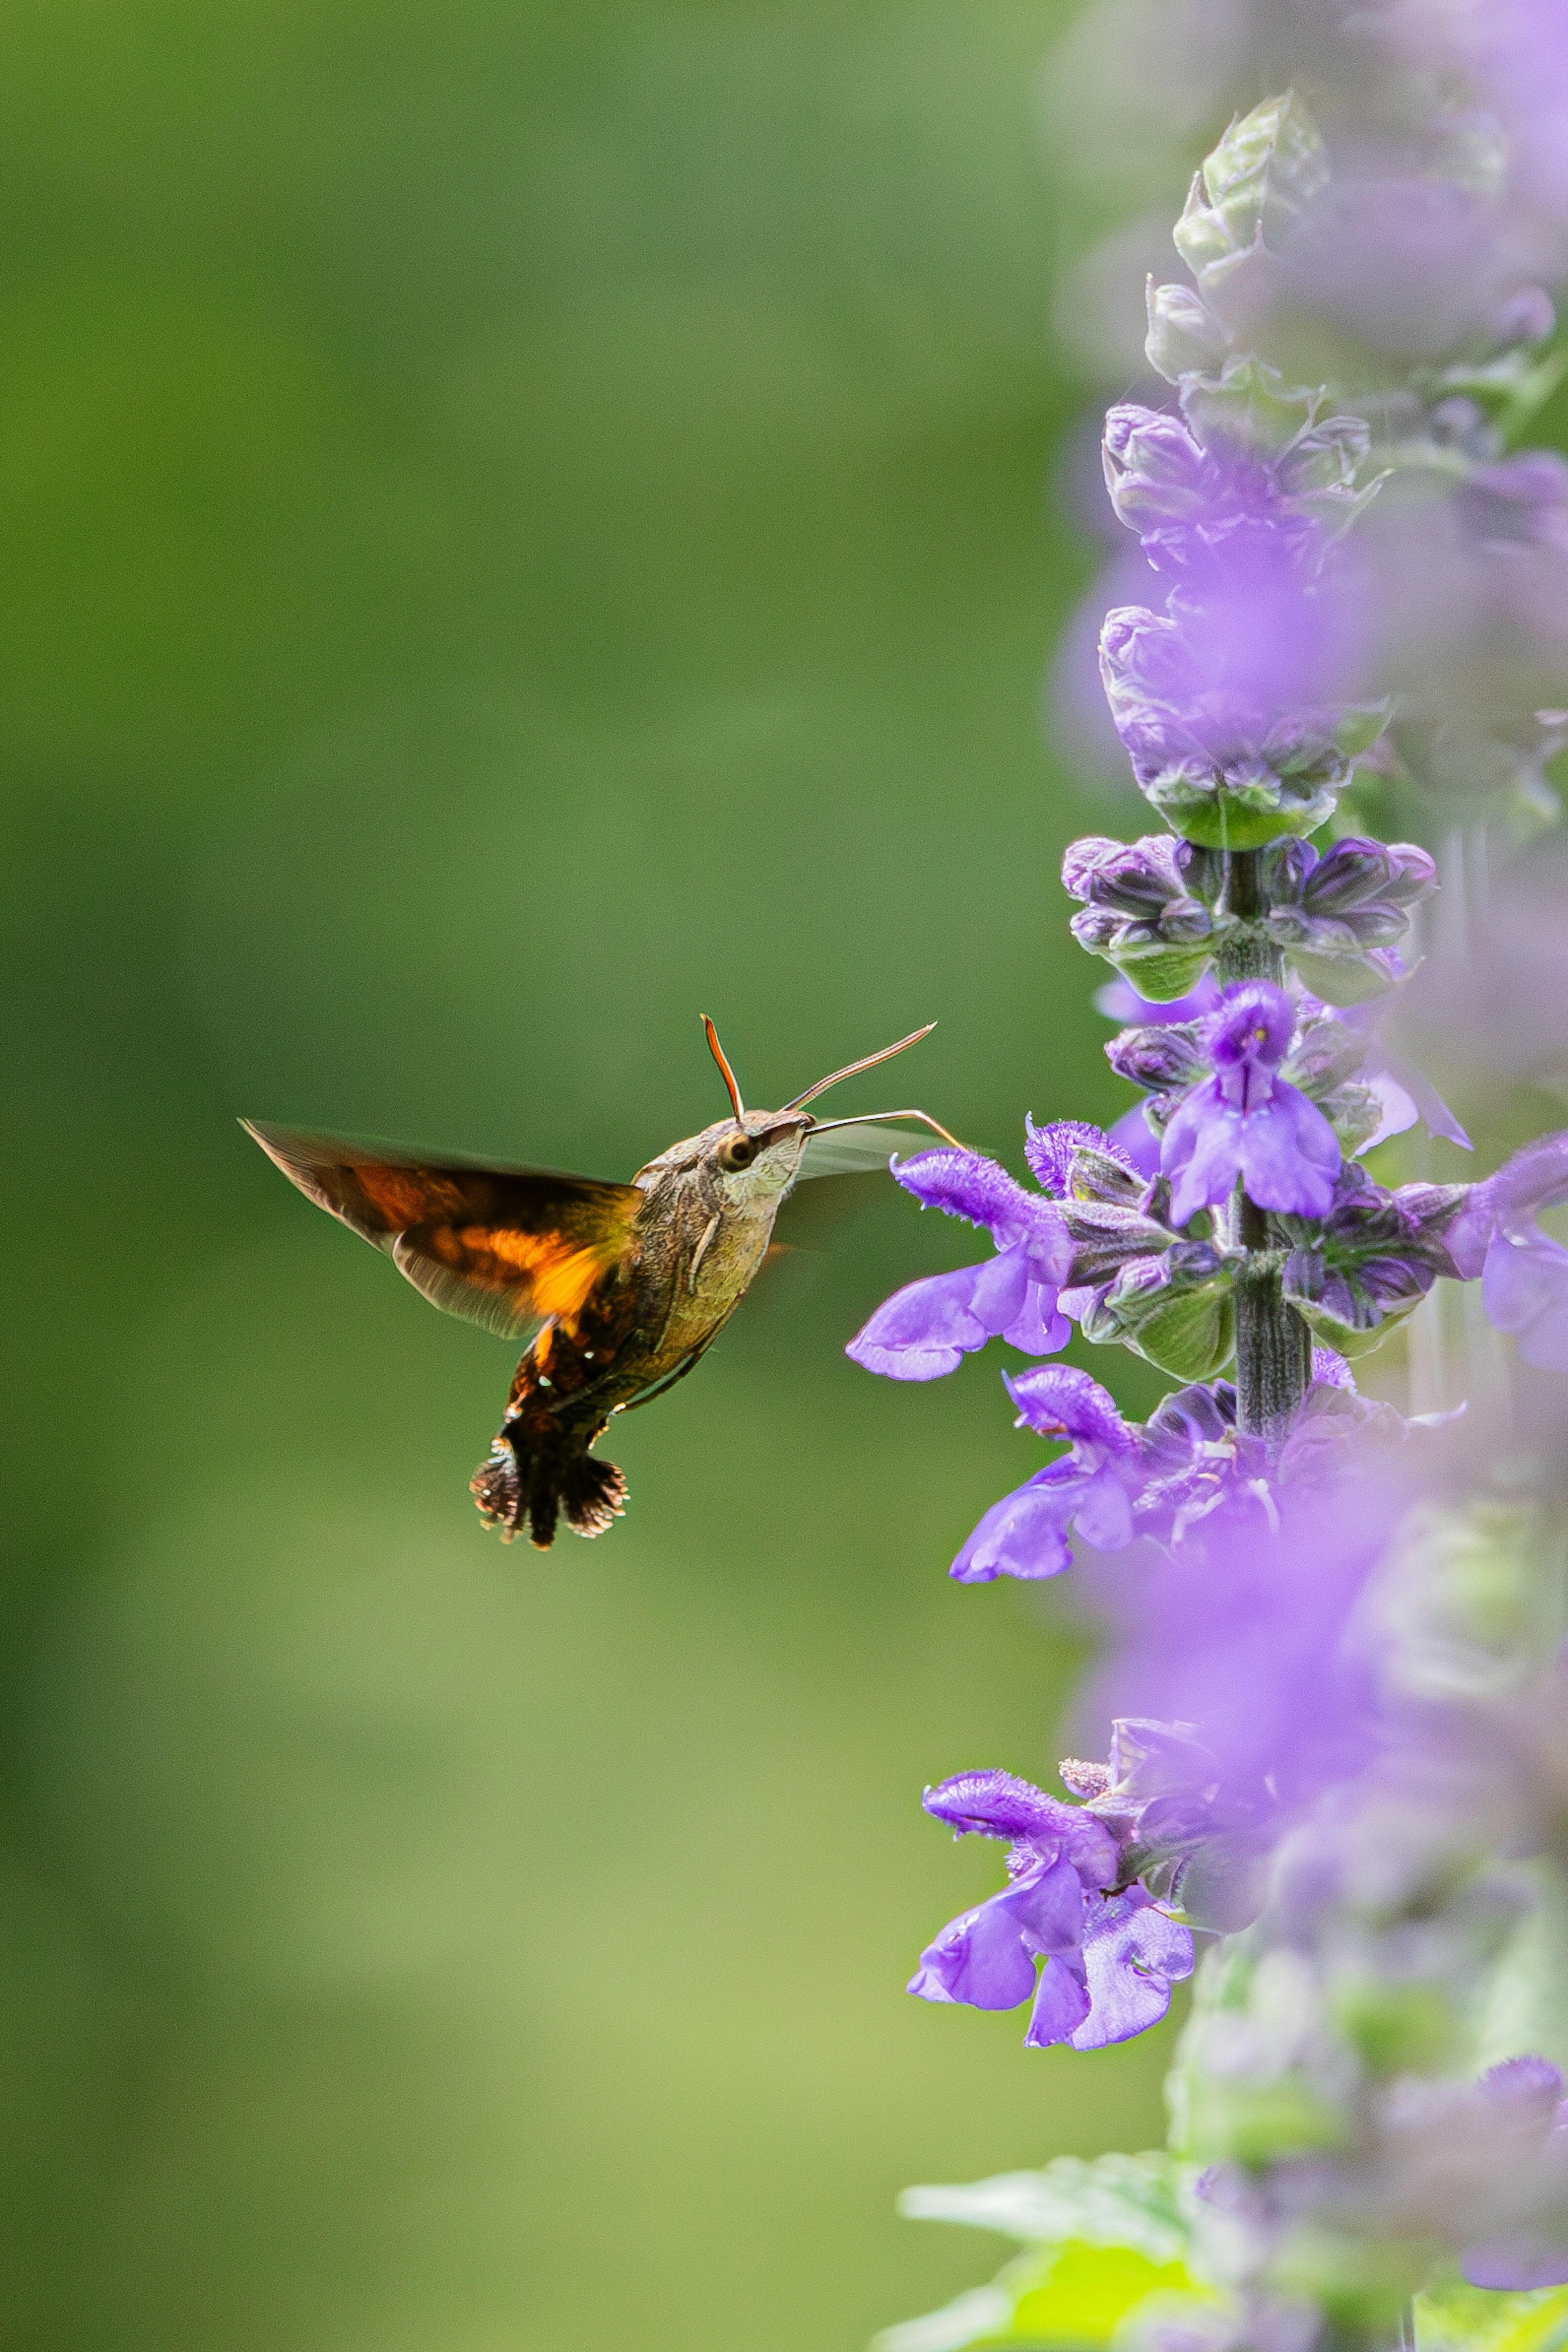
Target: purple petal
x=1023, y=1535
x=1136, y=1141
x=922, y=1332
x=972, y=1186
x=1060, y=1401
x=1047, y=1905
x=1061, y=2002
x=979, y=1958
x=1132, y=1952
x=1104, y=1516
x=1201, y=1151
x=1417, y=1089
x=1000, y=1290
x=1290, y=1155
x=1524, y=1287
x=1525, y=2086
x=985, y=1957
x=1256, y=1024
x=1050, y=1149
x=996, y=1804
x=1535, y=1178
x=1517, y=2264
x=1038, y=1328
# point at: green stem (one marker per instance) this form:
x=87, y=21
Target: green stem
x=1273, y=1344
x=1246, y=951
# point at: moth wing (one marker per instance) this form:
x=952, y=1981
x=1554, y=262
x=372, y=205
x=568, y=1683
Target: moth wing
x=854, y=1151
x=509, y=1248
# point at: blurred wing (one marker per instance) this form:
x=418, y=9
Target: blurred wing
x=855, y=1151
x=509, y=1248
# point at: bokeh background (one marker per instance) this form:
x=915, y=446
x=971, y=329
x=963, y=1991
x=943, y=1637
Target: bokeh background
x=519, y=523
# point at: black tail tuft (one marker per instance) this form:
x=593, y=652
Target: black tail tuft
x=594, y=1494
x=515, y=1488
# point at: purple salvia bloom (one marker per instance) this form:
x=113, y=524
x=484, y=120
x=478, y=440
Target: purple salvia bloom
x=1528, y=2093
x=925, y=1330
x=1247, y=1636
x=1089, y=1488
x=1247, y=1121
x=1524, y=1272
x=1109, y=1960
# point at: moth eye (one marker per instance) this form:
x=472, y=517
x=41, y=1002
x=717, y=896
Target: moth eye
x=736, y=1151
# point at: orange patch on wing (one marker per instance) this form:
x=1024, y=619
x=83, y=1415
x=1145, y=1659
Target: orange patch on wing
x=404, y=1196
x=560, y=1275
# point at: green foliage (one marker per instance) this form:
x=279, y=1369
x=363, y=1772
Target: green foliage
x=1102, y=2237
x=1456, y=2317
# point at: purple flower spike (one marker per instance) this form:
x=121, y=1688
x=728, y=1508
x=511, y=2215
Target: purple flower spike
x=927, y=1329
x=1088, y=1489
x=1247, y=1121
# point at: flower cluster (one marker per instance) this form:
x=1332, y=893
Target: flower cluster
x=1153, y=907
x=1327, y=1728
x=1110, y=1953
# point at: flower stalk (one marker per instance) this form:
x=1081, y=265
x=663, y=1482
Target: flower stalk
x=1336, y=1779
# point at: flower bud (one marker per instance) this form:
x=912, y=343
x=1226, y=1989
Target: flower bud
x=1161, y=1059
x=1176, y=1311
x=1185, y=337
x=1527, y=317
x=1327, y=458
x=1139, y=915
x=1138, y=878
x=1249, y=407
x=1154, y=469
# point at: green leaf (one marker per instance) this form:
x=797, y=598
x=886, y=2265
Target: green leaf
x=1161, y=973
x=1457, y=2317
x=1112, y=2200
x=1055, y=2298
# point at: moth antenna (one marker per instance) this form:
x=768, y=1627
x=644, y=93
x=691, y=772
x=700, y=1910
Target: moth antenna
x=850, y=1069
x=726, y=1073
x=869, y=1117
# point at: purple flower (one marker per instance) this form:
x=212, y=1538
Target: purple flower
x=1089, y=1488
x=925, y=1330
x=1050, y=1150
x=1527, y=2095
x=1246, y=1635
x=1230, y=709
x=1197, y=502
x=1524, y=1272
x=1247, y=1121
x=1120, y=1002
x=1109, y=1960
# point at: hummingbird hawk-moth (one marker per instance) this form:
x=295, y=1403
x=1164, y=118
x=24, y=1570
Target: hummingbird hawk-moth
x=616, y=1290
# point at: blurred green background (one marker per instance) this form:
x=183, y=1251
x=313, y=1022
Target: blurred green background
x=519, y=524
